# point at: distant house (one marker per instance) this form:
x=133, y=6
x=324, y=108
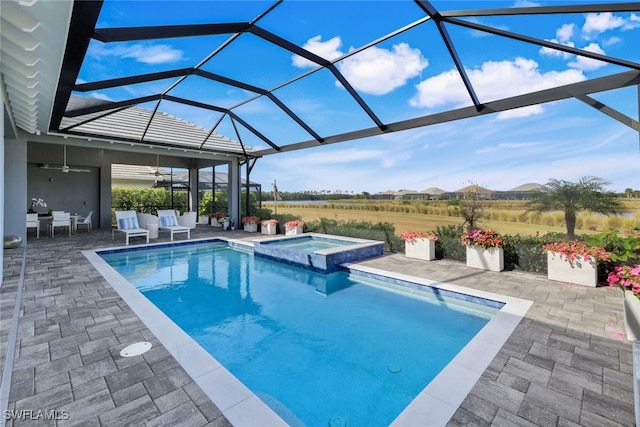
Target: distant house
x=521, y=192
x=133, y=176
x=433, y=192
x=483, y=193
x=384, y=195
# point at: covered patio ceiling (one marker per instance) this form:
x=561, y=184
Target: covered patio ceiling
x=51, y=51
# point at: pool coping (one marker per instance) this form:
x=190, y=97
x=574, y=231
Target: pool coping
x=436, y=403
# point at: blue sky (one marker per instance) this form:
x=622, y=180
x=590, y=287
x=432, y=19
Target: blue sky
x=407, y=76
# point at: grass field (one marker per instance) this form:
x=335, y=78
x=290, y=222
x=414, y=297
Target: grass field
x=404, y=221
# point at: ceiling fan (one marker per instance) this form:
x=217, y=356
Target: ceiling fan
x=157, y=173
x=64, y=168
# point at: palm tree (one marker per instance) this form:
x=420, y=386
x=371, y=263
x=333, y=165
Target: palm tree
x=587, y=194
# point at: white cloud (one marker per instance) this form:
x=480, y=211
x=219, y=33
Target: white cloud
x=494, y=80
x=486, y=150
x=632, y=22
x=517, y=144
x=328, y=50
x=611, y=41
x=379, y=71
x=532, y=110
x=555, y=52
x=390, y=160
x=148, y=54
x=588, y=64
x=525, y=3
x=601, y=22
x=565, y=32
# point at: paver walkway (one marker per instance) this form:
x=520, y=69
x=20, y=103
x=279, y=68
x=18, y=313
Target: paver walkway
x=566, y=364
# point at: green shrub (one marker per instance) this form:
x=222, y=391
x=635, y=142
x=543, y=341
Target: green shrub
x=624, y=250
x=449, y=245
x=144, y=200
x=384, y=232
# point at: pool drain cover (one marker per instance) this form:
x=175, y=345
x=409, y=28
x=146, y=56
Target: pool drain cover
x=337, y=422
x=135, y=349
x=394, y=368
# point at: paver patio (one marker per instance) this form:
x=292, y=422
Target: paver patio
x=566, y=363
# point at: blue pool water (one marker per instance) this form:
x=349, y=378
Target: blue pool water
x=310, y=244
x=314, y=347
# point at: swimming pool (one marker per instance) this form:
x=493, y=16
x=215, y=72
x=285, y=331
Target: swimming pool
x=267, y=309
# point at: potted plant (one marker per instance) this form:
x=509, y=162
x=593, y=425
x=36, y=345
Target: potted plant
x=216, y=219
x=293, y=227
x=225, y=221
x=419, y=245
x=250, y=223
x=36, y=202
x=574, y=262
x=627, y=278
x=269, y=226
x=484, y=249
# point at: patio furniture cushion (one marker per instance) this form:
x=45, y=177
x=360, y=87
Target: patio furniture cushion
x=128, y=223
x=168, y=221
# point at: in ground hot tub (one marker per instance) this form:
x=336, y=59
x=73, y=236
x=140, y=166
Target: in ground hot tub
x=317, y=252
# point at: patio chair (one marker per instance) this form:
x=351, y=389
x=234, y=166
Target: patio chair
x=59, y=219
x=188, y=220
x=127, y=223
x=33, y=222
x=169, y=222
x=85, y=221
x=145, y=219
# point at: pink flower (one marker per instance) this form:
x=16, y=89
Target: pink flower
x=626, y=278
x=574, y=250
x=412, y=236
x=485, y=238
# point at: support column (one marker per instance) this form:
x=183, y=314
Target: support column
x=14, y=196
x=234, y=190
x=2, y=184
x=105, y=193
x=192, y=202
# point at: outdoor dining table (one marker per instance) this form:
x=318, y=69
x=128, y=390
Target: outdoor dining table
x=73, y=220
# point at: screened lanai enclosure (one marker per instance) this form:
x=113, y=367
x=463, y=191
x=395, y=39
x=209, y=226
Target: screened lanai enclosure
x=218, y=85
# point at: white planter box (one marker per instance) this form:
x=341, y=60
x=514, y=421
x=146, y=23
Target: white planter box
x=579, y=271
x=251, y=228
x=420, y=249
x=491, y=259
x=631, y=307
x=215, y=223
x=203, y=219
x=292, y=231
x=268, y=228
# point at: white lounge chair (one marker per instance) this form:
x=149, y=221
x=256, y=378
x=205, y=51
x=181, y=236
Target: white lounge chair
x=169, y=222
x=127, y=223
x=59, y=219
x=33, y=222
